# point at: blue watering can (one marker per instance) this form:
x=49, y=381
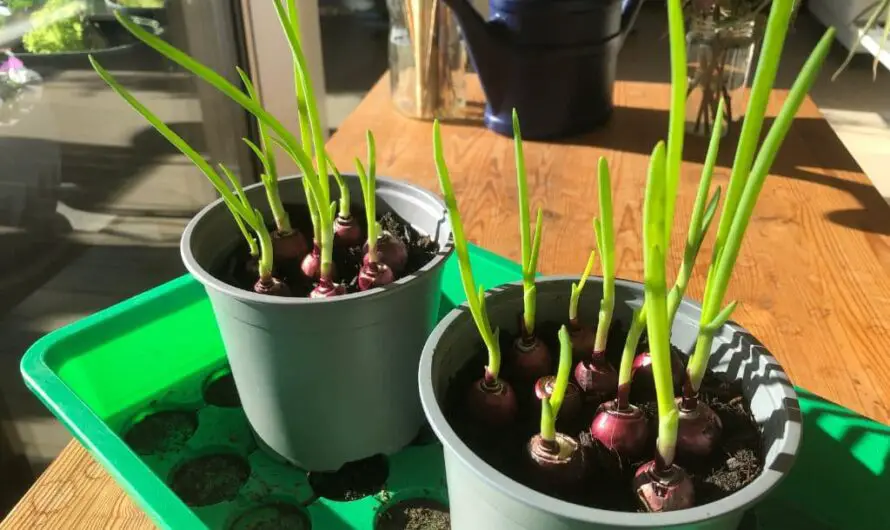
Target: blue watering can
x=552, y=60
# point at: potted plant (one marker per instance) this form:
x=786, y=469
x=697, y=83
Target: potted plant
x=705, y=455
x=62, y=35
x=324, y=362
x=876, y=10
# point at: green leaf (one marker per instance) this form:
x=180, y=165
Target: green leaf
x=370, y=200
x=231, y=201
x=726, y=255
x=721, y=318
x=764, y=79
x=215, y=80
x=536, y=244
x=305, y=84
x=577, y=288
x=476, y=305
x=655, y=284
x=562, y=374
x=522, y=186
x=606, y=230
x=677, y=117
x=268, y=158
x=372, y=154
x=710, y=212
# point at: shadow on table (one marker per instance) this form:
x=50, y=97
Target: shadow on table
x=811, y=143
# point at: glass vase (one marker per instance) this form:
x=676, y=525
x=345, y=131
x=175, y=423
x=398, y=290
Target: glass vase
x=428, y=61
x=720, y=59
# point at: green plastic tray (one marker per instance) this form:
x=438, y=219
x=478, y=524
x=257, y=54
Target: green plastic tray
x=157, y=351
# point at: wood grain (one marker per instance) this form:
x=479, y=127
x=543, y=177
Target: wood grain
x=76, y=492
x=812, y=279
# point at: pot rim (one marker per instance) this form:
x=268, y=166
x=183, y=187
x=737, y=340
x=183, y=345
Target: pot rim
x=210, y=281
x=757, y=489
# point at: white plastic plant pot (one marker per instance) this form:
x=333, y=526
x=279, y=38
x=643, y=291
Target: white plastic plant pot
x=480, y=497
x=326, y=381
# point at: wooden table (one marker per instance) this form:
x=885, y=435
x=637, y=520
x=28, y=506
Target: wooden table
x=813, y=278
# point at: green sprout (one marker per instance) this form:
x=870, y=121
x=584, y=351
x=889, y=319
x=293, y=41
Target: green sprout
x=255, y=219
x=654, y=229
x=677, y=116
x=345, y=211
x=625, y=370
x=577, y=288
x=530, y=250
x=290, y=23
x=475, y=297
x=604, y=229
x=748, y=180
x=703, y=211
x=266, y=156
x=318, y=188
x=236, y=203
x=550, y=406
x=369, y=186
x=699, y=223
x=882, y=7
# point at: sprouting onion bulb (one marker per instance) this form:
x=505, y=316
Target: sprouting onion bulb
x=266, y=155
x=475, y=298
x=578, y=288
x=368, y=181
x=736, y=213
x=605, y=241
x=530, y=250
x=345, y=211
x=654, y=219
x=237, y=204
x=699, y=224
x=550, y=406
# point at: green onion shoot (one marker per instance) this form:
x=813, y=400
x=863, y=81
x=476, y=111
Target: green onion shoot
x=347, y=232
x=660, y=484
x=288, y=243
x=373, y=273
x=491, y=399
x=530, y=358
x=737, y=212
x=596, y=377
x=582, y=336
x=557, y=459
x=317, y=181
x=236, y=202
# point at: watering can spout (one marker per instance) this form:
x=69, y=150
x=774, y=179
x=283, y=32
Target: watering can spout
x=487, y=48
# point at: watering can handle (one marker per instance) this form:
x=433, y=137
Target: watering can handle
x=629, y=11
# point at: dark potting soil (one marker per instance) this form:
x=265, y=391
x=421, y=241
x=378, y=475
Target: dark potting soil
x=737, y=460
x=162, y=431
x=221, y=392
x=210, y=479
x=238, y=271
x=353, y=481
x=277, y=516
x=414, y=514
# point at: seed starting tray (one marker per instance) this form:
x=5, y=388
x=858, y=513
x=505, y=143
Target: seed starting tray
x=156, y=363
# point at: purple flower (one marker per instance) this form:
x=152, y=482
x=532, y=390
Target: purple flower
x=13, y=63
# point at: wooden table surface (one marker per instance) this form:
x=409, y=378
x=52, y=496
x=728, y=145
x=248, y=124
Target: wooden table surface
x=813, y=279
